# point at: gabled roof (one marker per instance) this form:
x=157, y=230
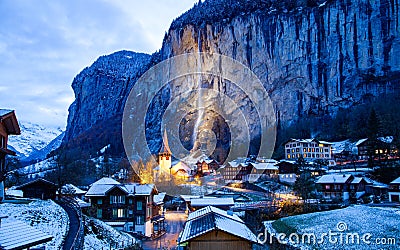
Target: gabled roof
x=212, y=202
x=15, y=234
x=308, y=141
x=396, y=181
x=361, y=141
x=37, y=180
x=264, y=166
x=106, y=180
x=159, y=198
x=208, y=219
x=105, y=185
x=357, y=180
x=9, y=119
x=334, y=178
x=75, y=188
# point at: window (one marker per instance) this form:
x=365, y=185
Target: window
x=130, y=201
x=118, y=213
x=327, y=187
x=130, y=212
x=99, y=201
x=288, y=156
x=139, y=205
x=140, y=220
x=2, y=141
x=117, y=199
x=99, y=213
x=287, y=150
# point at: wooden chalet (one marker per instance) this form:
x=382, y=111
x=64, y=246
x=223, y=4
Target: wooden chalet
x=381, y=148
x=213, y=228
x=206, y=166
x=39, y=189
x=8, y=126
x=341, y=186
x=126, y=207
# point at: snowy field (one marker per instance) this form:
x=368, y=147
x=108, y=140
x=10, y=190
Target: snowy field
x=99, y=235
x=46, y=216
x=376, y=228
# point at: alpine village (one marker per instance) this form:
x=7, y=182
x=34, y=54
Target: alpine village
x=331, y=179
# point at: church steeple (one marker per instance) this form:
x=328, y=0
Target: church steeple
x=165, y=147
x=164, y=156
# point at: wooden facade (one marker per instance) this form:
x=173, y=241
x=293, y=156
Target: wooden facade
x=39, y=189
x=217, y=239
x=8, y=126
x=124, y=206
x=206, y=167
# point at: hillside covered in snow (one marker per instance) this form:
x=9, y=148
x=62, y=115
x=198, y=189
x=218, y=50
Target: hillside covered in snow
x=35, y=141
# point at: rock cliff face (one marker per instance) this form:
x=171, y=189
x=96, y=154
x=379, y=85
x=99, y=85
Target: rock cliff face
x=101, y=90
x=312, y=59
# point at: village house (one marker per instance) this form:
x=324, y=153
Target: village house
x=237, y=171
x=382, y=148
x=39, y=189
x=341, y=186
x=287, y=171
x=263, y=170
x=309, y=149
x=206, y=166
x=8, y=126
x=394, y=190
x=213, y=228
x=126, y=207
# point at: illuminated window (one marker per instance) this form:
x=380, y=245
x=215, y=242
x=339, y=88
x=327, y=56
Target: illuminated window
x=321, y=145
x=288, y=156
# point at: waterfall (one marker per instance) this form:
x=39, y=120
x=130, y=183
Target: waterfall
x=200, y=105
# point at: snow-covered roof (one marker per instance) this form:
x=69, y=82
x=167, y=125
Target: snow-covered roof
x=199, y=202
x=210, y=218
x=37, y=180
x=334, y=178
x=139, y=189
x=340, y=146
x=287, y=161
x=309, y=140
x=159, y=198
x=15, y=234
x=361, y=141
x=357, y=180
x=106, y=180
x=386, y=139
x=75, y=188
x=396, y=181
x=187, y=198
x=211, y=209
x=104, y=185
x=4, y=112
x=262, y=165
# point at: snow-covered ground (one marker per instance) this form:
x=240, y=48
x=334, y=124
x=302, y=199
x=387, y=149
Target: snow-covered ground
x=38, y=169
x=46, y=216
x=99, y=235
x=382, y=224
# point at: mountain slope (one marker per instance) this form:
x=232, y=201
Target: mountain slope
x=313, y=58
x=33, y=143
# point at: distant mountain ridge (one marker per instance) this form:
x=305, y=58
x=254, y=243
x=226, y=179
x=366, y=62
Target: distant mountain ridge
x=35, y=141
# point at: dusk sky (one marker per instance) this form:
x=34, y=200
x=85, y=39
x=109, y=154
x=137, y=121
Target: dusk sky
x=45, y=44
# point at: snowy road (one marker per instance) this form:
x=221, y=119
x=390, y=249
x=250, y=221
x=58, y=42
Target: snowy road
x=175, y=222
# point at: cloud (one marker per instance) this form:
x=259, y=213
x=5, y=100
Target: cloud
x=44, y=44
